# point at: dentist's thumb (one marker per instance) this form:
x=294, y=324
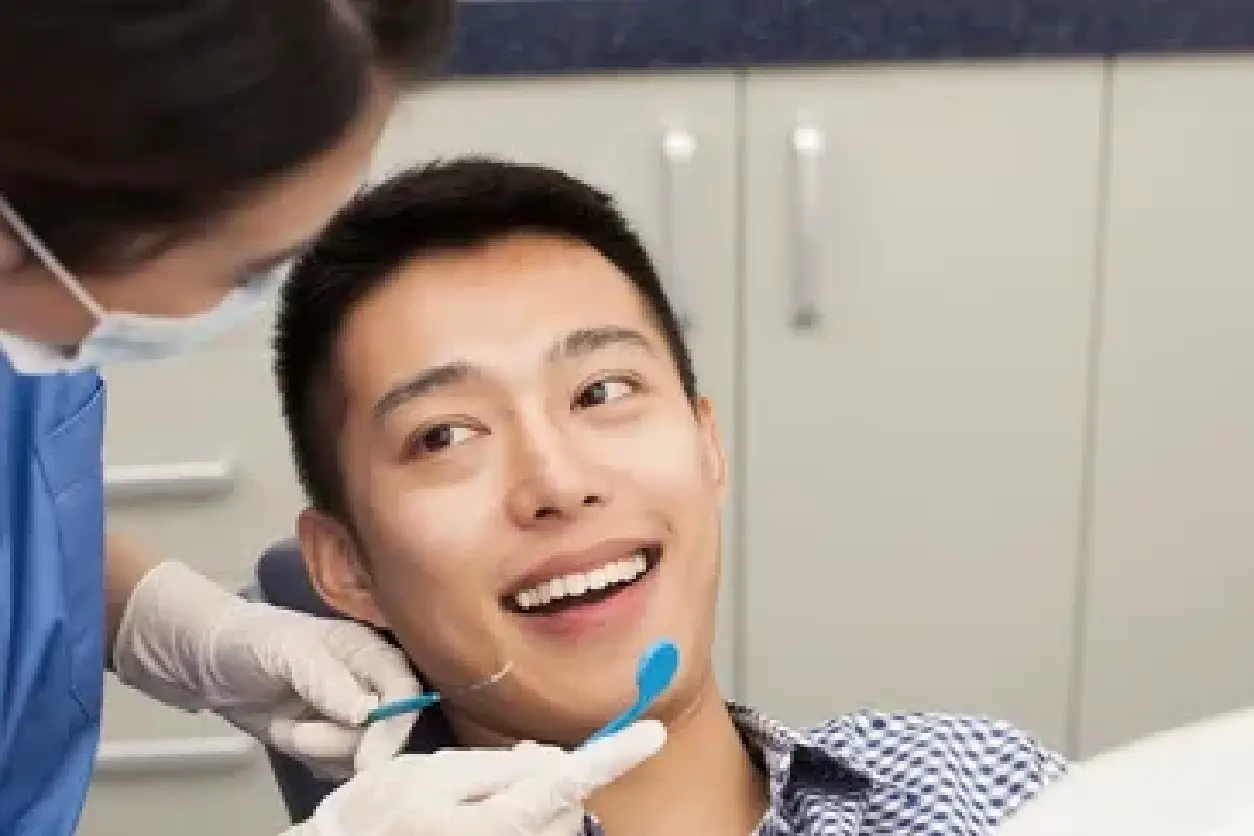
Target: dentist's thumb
x=540, y=799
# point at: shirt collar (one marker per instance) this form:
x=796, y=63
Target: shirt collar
x=822, y=759
x=824, y=770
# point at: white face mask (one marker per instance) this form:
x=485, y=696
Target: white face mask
x=124, y=337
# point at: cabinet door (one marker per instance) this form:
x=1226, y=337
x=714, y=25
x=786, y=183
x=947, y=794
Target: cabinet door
x=1170, y=593
x=913, y=455
x=199, y=465
x=665, y=147
x=199, y=470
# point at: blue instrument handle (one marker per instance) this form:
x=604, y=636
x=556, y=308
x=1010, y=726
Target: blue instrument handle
x=405, y=706
x=619, y=723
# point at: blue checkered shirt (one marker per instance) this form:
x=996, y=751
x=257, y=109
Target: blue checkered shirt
x=877, y=774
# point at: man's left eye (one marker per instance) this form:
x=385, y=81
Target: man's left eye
x=602, y=392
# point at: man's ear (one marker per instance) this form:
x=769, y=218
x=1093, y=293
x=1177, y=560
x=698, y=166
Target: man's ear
x=336, y=568
x=712, y=445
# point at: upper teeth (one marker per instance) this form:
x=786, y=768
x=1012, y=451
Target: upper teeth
x=627, y=569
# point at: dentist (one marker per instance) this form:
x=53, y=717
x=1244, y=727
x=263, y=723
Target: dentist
x=159, y=164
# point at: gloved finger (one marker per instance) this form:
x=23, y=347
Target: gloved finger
x=294, y=730
x=460, y=776
x=382, y=740
x=540, y=799
x=371, y=658
x=382, y=668
x=605, y=760
x=315, y=740
x=328, y=686
x=325, y=747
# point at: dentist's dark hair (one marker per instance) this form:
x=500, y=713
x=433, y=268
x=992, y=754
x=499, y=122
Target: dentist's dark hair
x=126, y=126
x=453, y=206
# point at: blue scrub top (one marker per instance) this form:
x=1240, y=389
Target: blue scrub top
x=51, y=597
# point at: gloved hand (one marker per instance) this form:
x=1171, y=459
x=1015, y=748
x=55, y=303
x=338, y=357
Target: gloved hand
x=301, y=684
x=530, y=790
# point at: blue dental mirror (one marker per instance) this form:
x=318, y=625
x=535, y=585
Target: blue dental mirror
x=654, y=672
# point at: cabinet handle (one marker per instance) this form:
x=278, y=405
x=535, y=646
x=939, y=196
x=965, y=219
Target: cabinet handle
x=128, y=758
x=678, y=149
x=182, y=480
x=808, y=143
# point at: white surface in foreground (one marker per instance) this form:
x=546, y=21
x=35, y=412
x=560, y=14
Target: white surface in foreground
x=1196, y=780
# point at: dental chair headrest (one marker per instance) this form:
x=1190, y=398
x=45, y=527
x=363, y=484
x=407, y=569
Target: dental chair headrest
x=283, y=582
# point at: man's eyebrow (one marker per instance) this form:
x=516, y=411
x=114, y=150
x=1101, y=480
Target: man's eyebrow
x=578, y=343
x=585, y=341
x=422, y=384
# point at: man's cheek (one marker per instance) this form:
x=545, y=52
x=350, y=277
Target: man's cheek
x=445, y=522
x=443, y=634
x=665, y=457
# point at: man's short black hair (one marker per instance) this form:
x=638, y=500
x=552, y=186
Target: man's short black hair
x=445, y=206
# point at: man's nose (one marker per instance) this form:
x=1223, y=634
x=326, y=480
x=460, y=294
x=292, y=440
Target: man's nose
x=555, y=481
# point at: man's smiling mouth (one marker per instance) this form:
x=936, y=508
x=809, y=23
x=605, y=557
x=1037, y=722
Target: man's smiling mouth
x=569, y=591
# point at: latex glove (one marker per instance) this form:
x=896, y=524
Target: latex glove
x=530, y=790
x=300, y=684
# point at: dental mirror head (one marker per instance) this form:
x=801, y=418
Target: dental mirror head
x=655, y=670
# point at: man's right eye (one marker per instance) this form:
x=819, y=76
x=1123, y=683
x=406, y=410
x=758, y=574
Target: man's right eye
x=437, y=438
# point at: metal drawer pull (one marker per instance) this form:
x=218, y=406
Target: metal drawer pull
x=184, y=480
x=808, y=145
x=175, y=755
x=678, y=149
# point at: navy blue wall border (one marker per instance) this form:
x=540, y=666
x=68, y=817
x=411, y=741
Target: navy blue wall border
x=546, y=37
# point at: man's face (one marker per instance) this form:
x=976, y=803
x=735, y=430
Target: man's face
x=528, y=482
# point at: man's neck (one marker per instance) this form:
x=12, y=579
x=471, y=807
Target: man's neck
x=703, y=781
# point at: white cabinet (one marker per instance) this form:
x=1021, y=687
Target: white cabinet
x=196, y=787
x=1170, y=589
x=912, y=467
x=198, y=470
x=666, y=148
x=198, y=462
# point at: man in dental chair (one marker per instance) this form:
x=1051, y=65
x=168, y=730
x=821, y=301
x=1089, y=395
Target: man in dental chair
x=508, y=458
